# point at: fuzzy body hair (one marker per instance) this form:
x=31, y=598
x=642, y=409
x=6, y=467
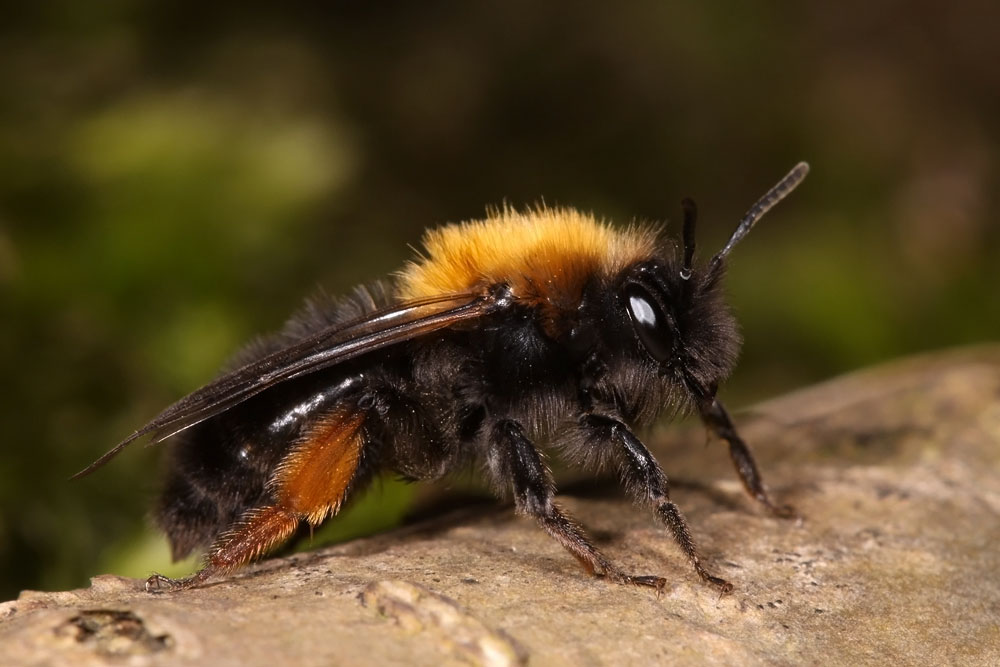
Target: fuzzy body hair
x=565, y=349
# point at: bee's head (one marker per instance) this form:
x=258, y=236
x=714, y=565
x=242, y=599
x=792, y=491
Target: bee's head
x=682, y=325
x=676, y=310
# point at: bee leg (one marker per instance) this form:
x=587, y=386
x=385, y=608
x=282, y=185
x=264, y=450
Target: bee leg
x=310, y=484
x=514, y=460
x=715, y=416
x=157, y=583
x=259, y=531
x=646, y=482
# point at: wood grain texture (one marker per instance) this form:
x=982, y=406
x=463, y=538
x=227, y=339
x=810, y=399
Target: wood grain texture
x=894, y=470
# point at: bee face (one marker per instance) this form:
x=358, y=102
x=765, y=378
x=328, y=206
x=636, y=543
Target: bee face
x=681, y=323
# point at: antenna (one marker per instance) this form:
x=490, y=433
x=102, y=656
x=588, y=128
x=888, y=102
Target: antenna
x=690, y=218
x=781, y=190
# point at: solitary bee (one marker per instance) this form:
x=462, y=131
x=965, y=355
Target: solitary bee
x=546, y=325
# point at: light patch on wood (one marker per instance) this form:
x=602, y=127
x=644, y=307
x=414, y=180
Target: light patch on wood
x=312, y=480
x=545, y=254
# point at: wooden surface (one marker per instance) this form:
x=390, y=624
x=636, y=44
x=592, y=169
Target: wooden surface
x=895, y=471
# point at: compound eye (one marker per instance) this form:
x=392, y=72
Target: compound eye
x=650, y=322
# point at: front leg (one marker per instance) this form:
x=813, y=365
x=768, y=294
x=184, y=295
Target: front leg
x=647, y=483
x=714, y=414
x=515, y=462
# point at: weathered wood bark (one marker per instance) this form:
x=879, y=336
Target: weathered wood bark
x=896, y=472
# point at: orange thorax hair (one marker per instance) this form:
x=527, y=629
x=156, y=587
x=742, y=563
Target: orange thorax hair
x=546, y=255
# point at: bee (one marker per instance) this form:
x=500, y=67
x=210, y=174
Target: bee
x=545, y=326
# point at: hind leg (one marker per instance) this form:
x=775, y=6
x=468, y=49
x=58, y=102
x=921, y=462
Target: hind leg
x=310, y=484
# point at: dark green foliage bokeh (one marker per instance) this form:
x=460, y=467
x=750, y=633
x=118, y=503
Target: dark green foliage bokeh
x=175, y=177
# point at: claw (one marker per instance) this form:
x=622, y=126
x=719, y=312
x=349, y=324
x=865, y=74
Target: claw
x=657, y=583
x=782, y=511
x=157, y=583
x=725, y=588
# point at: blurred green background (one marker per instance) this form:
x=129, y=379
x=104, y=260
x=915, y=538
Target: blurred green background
x=175, y=177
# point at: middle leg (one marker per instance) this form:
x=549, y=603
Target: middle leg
x=515, y=462
x=646, y=482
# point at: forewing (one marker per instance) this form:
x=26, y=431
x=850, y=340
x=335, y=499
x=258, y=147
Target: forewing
x=324, y=349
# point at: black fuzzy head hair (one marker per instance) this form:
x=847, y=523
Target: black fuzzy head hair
x=710, y=332
x=679, y=329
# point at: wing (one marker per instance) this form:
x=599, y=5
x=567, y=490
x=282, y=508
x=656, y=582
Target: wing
x=324, y=349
